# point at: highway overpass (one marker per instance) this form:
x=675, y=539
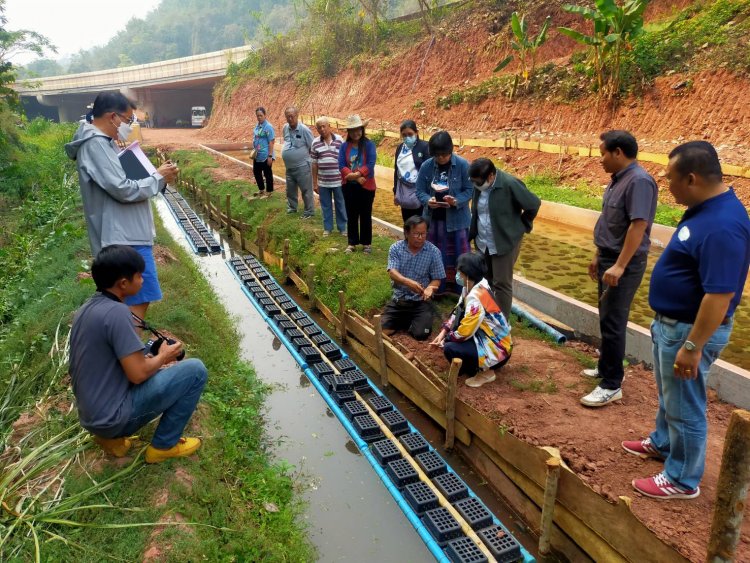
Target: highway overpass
x=166, y=89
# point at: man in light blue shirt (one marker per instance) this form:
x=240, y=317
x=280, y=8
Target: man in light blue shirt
x=298, y=141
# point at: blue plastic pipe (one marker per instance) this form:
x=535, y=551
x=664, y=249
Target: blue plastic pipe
x=539, y=324
x=408, y=511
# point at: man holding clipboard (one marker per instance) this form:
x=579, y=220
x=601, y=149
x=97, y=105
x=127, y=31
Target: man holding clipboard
x=115, y=202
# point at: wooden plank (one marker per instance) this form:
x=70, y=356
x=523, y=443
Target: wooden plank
x=342, y=316
x=397, y=362
x=486, y=143
x=327, y=313
x=413, y=394
x=380, y=349
x=298, y=281
x=550, y=148
x=654, y=157
x=522, y=504
x=576, y=500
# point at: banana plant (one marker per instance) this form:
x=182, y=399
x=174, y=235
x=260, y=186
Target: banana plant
x=615, y=26
x=526, y=45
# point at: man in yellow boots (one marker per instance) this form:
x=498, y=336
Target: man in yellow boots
x=118, y=388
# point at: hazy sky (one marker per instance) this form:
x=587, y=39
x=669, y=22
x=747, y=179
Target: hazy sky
x=65, y=23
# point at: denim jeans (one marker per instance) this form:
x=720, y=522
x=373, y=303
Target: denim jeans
x=173, y=393
x=326, y=207
x=614, y=310
x=680, y=434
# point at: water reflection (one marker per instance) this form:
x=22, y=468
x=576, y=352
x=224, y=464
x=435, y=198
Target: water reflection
x=351, y=447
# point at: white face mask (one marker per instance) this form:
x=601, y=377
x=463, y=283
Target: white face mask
x=123, y=131
x=483, y=187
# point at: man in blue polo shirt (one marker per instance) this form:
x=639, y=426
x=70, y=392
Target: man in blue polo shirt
x=415, y=267
x=695, y=288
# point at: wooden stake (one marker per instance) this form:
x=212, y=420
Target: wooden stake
x=342, y=315
x=229, y=214
x=548, y=507
x=285, y=260
x=450, y=403
x=310, y=281
x=734, y=478
x=261, y=243
x=381, y=351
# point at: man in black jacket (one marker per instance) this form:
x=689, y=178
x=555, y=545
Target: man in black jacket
x=502, y=211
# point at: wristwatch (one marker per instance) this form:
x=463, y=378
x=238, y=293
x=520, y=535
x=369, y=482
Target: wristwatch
x=689, y=345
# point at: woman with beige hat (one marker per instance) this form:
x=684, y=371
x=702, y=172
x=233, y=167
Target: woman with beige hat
x=357, y=165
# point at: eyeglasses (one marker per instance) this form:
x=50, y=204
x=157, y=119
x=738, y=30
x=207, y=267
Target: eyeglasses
x=128, y=120
x=417, y=235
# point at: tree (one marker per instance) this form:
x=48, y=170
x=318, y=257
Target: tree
x=614, y=29
x=526, y=45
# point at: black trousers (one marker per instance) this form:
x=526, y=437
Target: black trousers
x=358, y=202
x=262, y=169
x=415, y=317
x=406, y=213
x=614, y=310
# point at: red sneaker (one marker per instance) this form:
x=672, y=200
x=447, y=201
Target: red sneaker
x=642, y=448
x=659, y=487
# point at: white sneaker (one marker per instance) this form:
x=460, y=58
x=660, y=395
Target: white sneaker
x=600, y=397
x=326, y=233
x=591, y=372
x=480, y=379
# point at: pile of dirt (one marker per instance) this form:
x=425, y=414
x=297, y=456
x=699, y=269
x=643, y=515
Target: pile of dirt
x=536, y=398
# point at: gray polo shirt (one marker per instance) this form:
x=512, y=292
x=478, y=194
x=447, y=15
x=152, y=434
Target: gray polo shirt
x=297, y=145
x=629, y=196
x=101, y=336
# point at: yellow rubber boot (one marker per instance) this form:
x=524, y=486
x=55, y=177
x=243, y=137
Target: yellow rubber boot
x=183, y=448
x=117, y=447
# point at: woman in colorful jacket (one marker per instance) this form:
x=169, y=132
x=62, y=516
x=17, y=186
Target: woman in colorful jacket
x=444, y=189
x=481, y=337
x=410, y=155
x=357, y=165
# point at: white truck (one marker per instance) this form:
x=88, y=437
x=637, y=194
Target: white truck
x=197, y=116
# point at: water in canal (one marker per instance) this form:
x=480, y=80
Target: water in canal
x=557, y=256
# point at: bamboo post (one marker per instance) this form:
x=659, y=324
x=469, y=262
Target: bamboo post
x=450, y=403
x=548, y=507
x=342, y=315
x=734, y=478
x=229, y=214
x=285, y=260
x=381, y=351
x=310, y=281
x=206, y=205
x=242, y=238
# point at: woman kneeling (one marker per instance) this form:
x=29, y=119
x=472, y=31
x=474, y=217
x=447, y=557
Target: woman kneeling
x=477, y=332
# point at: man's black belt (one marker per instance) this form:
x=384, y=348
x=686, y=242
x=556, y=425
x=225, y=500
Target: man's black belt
x=671, y=322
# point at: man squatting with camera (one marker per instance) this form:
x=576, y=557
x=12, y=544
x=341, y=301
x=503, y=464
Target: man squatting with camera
x=118, y=388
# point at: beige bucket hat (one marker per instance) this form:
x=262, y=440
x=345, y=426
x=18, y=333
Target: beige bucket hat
x=355, y=121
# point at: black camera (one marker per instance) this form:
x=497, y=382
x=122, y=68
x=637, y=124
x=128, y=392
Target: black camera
x=156, y=344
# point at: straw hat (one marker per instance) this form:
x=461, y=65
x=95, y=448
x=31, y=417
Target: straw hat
x=355, y=121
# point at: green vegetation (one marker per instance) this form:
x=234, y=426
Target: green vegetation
x=62, y=501
x=526, y=45
x=548, y=386
x=549, y=188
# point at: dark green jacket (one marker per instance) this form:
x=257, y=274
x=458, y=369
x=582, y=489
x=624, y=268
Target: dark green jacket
x=512, y=210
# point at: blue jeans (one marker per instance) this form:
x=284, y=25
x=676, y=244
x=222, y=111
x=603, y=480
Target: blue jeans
x=173, y=393
x=680, y=434
x=326, y=207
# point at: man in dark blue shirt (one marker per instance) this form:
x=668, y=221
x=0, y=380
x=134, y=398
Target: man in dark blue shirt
x=695, y=288
x=622, y=242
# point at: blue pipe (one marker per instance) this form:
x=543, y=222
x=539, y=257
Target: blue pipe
x=539, y=324
x=412, y=516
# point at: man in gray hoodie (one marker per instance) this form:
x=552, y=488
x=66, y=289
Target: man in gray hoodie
x=117, y=210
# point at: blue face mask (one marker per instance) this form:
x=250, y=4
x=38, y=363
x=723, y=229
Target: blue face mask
x=459, y=279
x=410, y=141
